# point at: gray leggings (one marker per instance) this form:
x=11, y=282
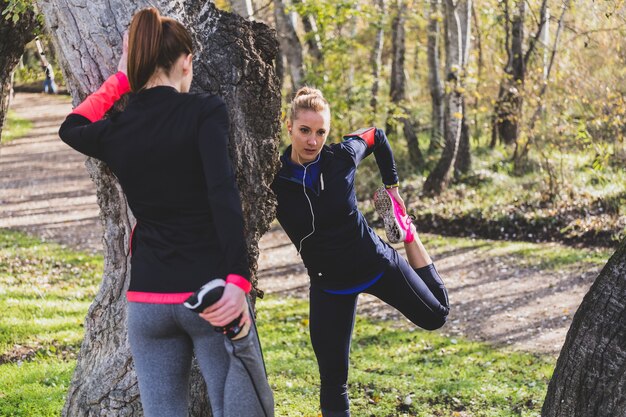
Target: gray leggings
x=162, y=339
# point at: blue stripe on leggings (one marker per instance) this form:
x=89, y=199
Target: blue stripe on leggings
x=358, y=288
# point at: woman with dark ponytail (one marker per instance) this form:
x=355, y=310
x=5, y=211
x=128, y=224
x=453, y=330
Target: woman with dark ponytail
x=344, y=257
x=169, y=151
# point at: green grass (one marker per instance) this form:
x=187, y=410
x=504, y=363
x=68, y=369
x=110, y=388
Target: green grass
x=442, y=376
x=45, y=291
x=34, y=388
x=15, y=127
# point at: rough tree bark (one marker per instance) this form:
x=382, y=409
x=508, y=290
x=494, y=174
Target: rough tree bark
x=377, y=56
x=457, y=17
x=290, y=46
x=233, y=58
x=14, y=37
x=434, y=78
x=397, y=88
x=590, y=374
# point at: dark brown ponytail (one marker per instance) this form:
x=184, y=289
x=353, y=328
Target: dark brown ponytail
x=153, y=42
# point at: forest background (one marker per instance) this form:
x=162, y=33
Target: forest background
x=537, y=90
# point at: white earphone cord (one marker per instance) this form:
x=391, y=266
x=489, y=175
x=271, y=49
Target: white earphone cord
x=308, y=199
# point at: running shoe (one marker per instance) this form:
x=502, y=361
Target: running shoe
x=398, y=225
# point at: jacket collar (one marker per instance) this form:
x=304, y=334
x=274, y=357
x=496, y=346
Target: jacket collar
x=326, y=154
x=285, y=172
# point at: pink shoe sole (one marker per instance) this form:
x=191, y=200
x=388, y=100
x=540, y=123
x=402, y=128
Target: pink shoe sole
x=397, y=224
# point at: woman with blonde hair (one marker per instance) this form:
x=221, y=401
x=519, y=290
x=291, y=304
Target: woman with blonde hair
x=344, y=257
x=169, y=151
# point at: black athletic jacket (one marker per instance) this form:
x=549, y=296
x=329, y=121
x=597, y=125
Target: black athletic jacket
x=343, y=251
x=169, y=151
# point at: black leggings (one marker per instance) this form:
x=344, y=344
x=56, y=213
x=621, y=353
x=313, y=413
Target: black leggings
x=419, y=295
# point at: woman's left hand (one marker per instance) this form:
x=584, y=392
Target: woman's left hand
x=394, y=193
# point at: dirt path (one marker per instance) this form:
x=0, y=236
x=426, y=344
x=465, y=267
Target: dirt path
x=44, y=187
x=45, y=190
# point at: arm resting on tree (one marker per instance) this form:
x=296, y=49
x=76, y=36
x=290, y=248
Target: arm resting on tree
x=365, y=141
x=98, y=103
x=223, y=192
x=82, y=129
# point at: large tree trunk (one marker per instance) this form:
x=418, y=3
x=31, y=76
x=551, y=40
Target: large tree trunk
x=290, y=46
x=233, y=59
x=457, y=52
x=15, y=36
x=590, y=375
x=434, y=78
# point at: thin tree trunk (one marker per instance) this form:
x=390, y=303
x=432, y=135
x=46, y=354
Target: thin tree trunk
x=279, y=66
x=290, y=46
x=590, y=375
x=434, y=78
x=518, y=155
x=508, y=107
x=463, y=162
x=541, y=34
x=349, y=88
x=545, y=38
x=409, y=128
x=233, y=59
x=14, y=37
x=502, y=93
x=397, y=84
x=312, y=38
x=457, y=51
x=397, y=89
x=479, y=71
x=377, y=55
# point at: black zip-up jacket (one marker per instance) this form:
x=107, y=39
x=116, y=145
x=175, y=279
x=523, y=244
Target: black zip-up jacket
x=169, y=151
x=343, y=251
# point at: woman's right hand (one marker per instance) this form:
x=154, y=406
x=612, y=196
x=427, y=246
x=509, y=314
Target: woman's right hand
x=122, y=66
x=232, y=303
x=396, y=195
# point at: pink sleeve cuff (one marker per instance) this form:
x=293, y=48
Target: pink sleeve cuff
x=98, y=103
x=368, y=135
x=239, y=281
